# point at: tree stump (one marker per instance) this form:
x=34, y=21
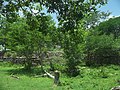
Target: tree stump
x=56, y=77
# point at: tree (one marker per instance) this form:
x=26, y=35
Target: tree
x=111, y=26
x=102, y=50
x=94, y=19
x=26, y=40
x=21, y=40
x=69, y=13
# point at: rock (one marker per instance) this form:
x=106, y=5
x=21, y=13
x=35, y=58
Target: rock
x=116, y=88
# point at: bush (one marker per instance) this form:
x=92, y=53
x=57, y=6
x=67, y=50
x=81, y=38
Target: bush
x=101, y=50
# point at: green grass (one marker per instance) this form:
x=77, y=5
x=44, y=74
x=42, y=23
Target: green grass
x=102, y=78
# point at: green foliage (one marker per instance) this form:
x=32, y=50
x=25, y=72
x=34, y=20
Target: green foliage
x=37, y=33
x=102, y=46
x=111, y=26
x=91, y=79
x=6, y=64
x=69, y=11
x=70, y=44
x=10, y=54
x=103, y=72
x=101, y=50
x=26, y=39
x=94, y=19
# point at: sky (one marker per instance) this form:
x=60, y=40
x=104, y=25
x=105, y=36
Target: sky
x=112, y=6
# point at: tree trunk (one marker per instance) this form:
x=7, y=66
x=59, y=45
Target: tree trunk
x=28, y=64
x=56, y=78
x=51, y=66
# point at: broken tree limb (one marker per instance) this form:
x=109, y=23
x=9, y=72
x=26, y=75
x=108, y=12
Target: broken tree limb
x=51, y=76
x=55, y=77
x=15, y=76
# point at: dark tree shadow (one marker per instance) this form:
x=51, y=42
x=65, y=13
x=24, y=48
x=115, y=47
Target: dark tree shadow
x=22, y=71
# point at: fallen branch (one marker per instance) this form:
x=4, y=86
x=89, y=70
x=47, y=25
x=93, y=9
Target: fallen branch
x=15, y=76
x=55, y=77
x=51, y=76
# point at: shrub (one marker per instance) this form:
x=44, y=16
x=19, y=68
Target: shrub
x=101, y=50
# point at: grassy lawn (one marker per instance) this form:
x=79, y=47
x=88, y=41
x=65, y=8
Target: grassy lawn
x=102, y=78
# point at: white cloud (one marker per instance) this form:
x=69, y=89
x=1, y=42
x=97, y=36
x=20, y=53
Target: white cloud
x=112, y=16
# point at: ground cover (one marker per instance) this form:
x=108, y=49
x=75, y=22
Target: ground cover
x=101, y=78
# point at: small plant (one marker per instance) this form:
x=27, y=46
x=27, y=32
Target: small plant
x=103, y=73
x=8, y=54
